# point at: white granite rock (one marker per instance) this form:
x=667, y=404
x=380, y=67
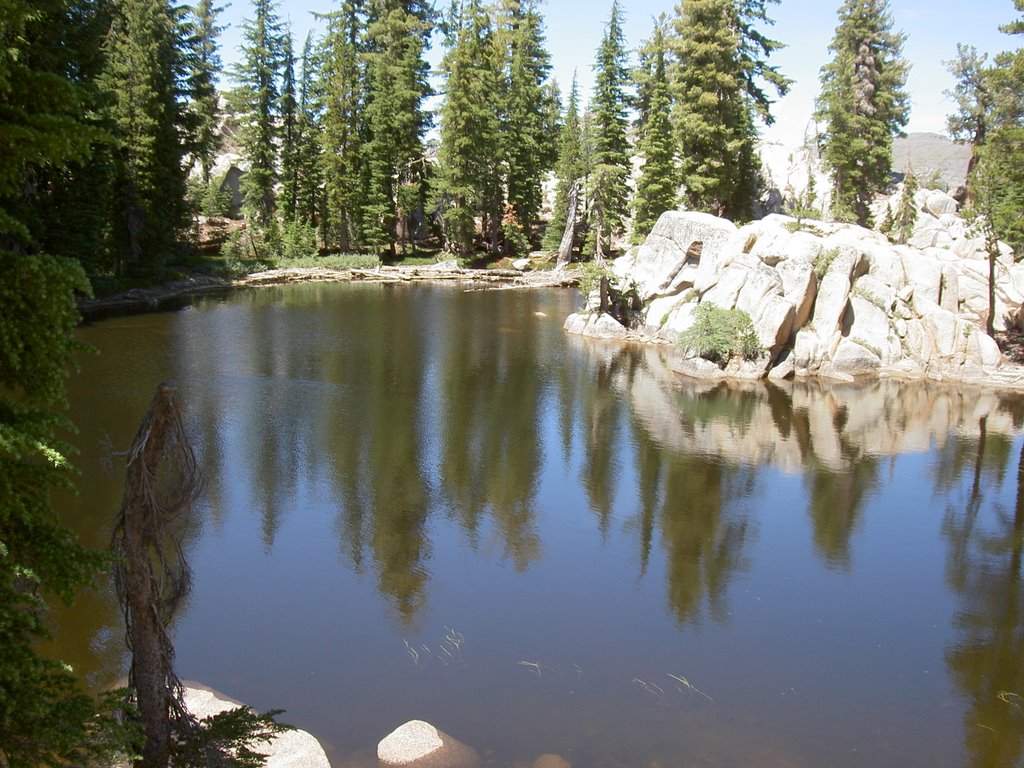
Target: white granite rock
x=418, y=744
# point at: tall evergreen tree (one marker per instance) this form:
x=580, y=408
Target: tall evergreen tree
x=309, y=192
x=142, y=89
x=397, y=37
x=203, y=65
x=610, y=147
x=862, y=104
x=528, y=144
x=46, y=719
x=972, y=96
x=998, y=176
x=342, y=138
x=468, y=181
x=658, y=182
x=755, y=48
x=288, y=110
x=713, y=120
x=256, y=99
x=569, y=169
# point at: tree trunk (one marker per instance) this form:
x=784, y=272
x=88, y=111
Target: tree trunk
x=149, y=668
x=151, y=574
x=568, y=234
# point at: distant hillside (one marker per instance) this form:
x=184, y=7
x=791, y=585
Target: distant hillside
x=933, y=157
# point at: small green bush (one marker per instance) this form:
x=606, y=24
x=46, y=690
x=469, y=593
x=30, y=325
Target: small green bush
x=823, y=261
x=590, y=275
x=720, y=334
x=299, y=240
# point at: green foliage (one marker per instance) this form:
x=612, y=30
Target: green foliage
x=569, y=169
x=517, y=242
x=905, y=215
x=468, y=181
x=823, y=261
x=229, y=739
x=713, y=121
x=396, y=39
x=656, y=187
x=46, y=719
x=609, y=148
x=590, y=276
x=862, y=104
x=720, y=334
x=528, y=141
x=298, y=240
x=217, y=198
x=203, y=67
x=342, y=134
x=256, y=99
x=719, y=76
x=140, y=86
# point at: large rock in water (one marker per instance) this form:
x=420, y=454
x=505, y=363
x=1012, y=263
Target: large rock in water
x=418, y=744
x=827, y=299
x=289, y=749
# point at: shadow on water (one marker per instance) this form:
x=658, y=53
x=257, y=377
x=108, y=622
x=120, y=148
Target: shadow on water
x=432, y=503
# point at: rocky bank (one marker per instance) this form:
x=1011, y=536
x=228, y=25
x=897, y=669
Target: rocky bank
x=830, y=300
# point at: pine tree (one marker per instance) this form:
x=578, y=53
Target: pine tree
x=308, y=192
x=658, y=182
x=569, y=169
x=46, y=719
x=69, y=212
x=998, y=176
x=755, y=48
x=256, y=100
x=468, y=181
x=862, y=105
x=972, y=96
x=343, y=136
x=610, y=148
x=141, y=85
x=528, y=145
x=397, y=37
x=203, y=68
x=288, y=110
x=714, y=125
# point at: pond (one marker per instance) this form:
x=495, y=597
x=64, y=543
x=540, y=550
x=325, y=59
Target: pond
x=425, y=502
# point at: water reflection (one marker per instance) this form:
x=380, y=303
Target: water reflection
x=984, y=568
x=428, y=427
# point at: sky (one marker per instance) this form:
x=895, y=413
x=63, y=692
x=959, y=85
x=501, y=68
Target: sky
x=574, y=29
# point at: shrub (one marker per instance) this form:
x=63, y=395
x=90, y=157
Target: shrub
x=590, y=277
x=299, y=240
x=823, y=261
x=720, y=334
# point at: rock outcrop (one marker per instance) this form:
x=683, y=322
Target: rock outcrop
x=826, y=299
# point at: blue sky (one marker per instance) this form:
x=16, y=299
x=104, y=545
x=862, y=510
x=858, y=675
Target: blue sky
x=574, y=29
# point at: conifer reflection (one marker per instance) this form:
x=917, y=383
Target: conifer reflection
x=986, y=542
x=491, y=399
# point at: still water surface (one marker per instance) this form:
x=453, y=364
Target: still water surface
x=429, y=503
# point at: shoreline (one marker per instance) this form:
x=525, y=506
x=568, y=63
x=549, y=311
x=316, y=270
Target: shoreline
x=156, y=297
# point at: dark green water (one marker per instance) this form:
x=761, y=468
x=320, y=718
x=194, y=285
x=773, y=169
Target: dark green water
x=835, y=572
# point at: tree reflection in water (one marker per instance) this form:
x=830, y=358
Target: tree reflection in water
x=986, y=541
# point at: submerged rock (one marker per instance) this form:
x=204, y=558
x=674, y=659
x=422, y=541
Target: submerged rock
x=418, y=744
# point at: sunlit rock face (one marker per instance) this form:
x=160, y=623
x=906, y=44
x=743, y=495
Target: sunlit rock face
x=827, y=299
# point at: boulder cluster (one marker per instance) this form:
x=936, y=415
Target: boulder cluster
x=826, y=299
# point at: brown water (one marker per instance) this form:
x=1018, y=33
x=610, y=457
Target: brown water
x=428, y=503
